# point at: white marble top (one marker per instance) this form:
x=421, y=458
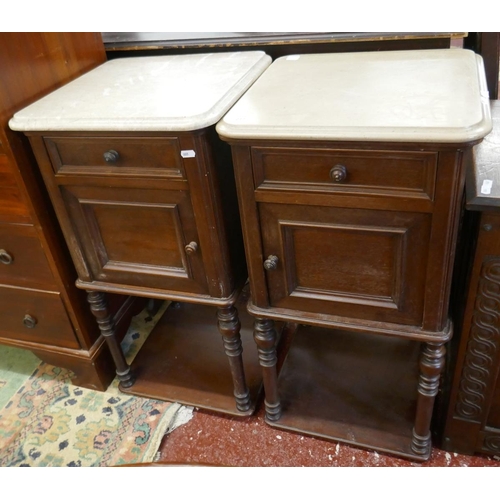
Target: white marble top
x=422, y=95
x=157, y=93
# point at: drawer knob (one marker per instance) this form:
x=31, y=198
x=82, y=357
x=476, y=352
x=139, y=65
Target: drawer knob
x=191, y=248
x=271, y=263
x=29, y=321
x=338, y=173
x=111, y=156
x=5, y=257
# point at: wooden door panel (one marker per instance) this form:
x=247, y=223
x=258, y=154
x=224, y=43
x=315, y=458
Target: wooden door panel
x=137, y=246
x=372, y=276
x=137, y=237
x=342, y=262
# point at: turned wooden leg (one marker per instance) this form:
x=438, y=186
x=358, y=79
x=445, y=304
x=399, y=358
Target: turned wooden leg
x=431, y=365
x=99, y=308
x=229, y=327
x=265, y=338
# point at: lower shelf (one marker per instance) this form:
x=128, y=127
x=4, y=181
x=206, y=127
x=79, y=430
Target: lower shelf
x=183, y=360
x=354, y=388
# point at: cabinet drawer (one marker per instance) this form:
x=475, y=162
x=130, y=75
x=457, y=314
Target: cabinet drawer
x=131, y=156
x=390, y=173
x=22, y=260
x=35, y=316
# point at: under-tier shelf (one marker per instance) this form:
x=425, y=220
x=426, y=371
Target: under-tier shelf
x=349, y=387
x=183, y=360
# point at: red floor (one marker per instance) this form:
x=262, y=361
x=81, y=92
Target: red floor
x=249, y=442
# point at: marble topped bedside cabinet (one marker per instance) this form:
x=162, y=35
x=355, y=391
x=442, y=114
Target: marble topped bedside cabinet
x=350, y=173
x=144, y=192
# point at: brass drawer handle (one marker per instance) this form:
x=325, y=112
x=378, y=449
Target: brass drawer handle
x=29, y=321
x=111, y=156
x=271, y=263
x=5, y=257
x=338, y=173
x=191, y=248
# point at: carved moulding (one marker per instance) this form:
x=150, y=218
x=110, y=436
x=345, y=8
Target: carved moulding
x=483, y=345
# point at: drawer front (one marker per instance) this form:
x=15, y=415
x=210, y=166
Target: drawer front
x=116, y=156
x=22, y=260
x=346, y=262
x=137, y=237
x=34, y=316
x=387, y=173
x=12, y=206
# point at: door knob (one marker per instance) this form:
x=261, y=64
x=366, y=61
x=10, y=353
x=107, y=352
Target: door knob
x=338, y=173
x=191, y=248
x=29, y=321
x=5, y=257
x=111, y=156
x=271, y=262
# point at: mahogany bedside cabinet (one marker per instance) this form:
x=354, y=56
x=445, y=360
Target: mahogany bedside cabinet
x=144, y=192
x=350, y=171
x=471, y=420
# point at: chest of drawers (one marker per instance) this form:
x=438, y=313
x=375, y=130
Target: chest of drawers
x=40, y=306
x=350, y=180
x=144, y=191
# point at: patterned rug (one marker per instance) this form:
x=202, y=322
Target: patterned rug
x=50, y=422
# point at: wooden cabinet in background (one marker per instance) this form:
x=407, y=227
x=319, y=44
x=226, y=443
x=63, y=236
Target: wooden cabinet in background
x=468, y=420
x=40, y=307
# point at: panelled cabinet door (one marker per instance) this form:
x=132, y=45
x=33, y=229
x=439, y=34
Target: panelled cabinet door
x=137, y=237
x=346, y=262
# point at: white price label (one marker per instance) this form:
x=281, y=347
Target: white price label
x=486, y=186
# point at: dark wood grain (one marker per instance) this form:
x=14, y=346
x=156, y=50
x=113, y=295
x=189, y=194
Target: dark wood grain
x=276, y=44
x=487, y=44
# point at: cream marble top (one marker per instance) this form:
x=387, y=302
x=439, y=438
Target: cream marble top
x=157, y=93
x=423, y=95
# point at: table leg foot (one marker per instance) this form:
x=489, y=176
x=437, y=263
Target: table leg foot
x=99, y=308
x=431, y=364
x=229, y=327
x=265, y=338
x=421, y=445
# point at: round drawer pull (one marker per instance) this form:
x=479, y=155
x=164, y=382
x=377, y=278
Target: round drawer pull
x=29, y=321
x=5, y=257
x=111, y=156
x=338, y=173
x=271, y=263
x=191, y=248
